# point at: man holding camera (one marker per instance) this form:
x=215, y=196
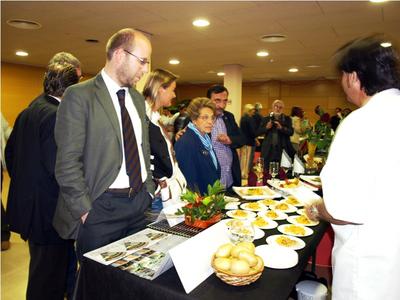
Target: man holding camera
x=277, y=128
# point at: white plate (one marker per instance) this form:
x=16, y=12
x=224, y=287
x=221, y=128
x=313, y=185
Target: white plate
x=253, y=206
x=284, y=229
x=299, y=244
x=269, y=223
x=295, y=220
x=301, y=211
x=258, y=233
x=314, y=180
x=241, y=214
x=231, y=199
x=292, y=200
x=276, y=257
x=267, y=202
x=281, y=215
x=232, y=205
x=287, y=209
x=259, y=192
x=281, y=184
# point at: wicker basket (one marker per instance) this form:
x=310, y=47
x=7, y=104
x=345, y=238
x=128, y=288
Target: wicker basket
x=234, y=279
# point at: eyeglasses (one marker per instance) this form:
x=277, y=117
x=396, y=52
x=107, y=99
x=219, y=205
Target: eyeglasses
x=206, y=118
x=142, y=61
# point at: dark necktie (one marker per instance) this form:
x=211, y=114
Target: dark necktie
x=132, y=161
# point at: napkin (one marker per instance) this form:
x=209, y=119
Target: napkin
x=286, y=162
x=298, y=166
x=169, y=214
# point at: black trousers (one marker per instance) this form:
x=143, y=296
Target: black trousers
x=112, y=218
x=48, y=268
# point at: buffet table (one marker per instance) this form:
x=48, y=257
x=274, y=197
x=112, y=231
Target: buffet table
x=97, y=281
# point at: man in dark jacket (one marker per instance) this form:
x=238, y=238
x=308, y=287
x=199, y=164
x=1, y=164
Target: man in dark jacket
x=30, y=157
x=226, y=138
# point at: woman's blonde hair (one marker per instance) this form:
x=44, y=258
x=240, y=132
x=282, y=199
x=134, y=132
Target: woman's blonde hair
x=193, y=110
x=157, y=78
x=248, y=108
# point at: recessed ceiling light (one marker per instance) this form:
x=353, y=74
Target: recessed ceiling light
x=174, y=61
x=386, y=44
x=273, y=38
x=221, y=74
x=377, y=1
x=201, y=23
x=21, y=53
x=312, y=66
x=293, y=70
x=262, y=53
x=24, y=24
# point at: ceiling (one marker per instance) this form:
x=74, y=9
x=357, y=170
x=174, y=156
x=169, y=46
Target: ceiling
x=314, y=30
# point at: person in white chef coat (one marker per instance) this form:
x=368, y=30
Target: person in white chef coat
x=361, y=176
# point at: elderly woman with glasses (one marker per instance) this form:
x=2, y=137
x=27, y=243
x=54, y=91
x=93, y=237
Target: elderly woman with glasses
x=194, y=151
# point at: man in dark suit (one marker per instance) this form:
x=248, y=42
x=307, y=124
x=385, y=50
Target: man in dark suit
x=103, y=152
x=226, y=138
x=30, y=157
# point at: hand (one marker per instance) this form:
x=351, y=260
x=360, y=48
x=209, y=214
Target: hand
x=269, y=125
x=312, y=211
x=278, y=125
x=179, y=134
x=257, y=143
x=224, y=139
x=83, y=218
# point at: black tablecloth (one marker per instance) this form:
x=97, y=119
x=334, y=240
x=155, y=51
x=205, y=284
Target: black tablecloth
x=97, y=281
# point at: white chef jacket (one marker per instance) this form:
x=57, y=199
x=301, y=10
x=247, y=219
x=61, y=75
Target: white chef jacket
x=361, y=181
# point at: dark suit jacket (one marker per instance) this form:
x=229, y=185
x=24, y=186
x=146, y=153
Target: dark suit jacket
x=237, y=138
x=159, y=149
x=248, y=128
x=195, y=162
x=270, y=153
x=89, y=153
x=30, y=156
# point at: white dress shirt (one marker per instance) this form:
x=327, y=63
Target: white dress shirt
x=122, y=180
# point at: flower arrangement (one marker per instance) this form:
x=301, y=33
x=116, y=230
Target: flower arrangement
x=321, y=133
x=203, y=208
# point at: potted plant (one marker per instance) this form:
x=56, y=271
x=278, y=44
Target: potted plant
x=203, y=211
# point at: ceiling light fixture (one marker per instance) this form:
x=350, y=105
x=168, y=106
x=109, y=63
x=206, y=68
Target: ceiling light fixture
x=221, y=74
x=312, y=66
x=174, y=61
x=94, y=41
x=386, y=44
x=262, y=53
x=293, y=70
x=24, y=24
x=273, y=38
x=21, y=53
x=377, y=1
x=201, y=23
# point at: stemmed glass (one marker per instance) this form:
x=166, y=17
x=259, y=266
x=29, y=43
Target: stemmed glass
x=241, y=231
x=273, y=169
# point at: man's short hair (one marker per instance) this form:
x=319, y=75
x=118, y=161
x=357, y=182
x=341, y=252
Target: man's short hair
x=216, y=89
x=65, y=58
x=123, y=38
x=377, y=67
x=58, y=77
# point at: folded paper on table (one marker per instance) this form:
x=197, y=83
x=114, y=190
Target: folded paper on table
x=298, y=166
x=286, y=162
x=192, y=258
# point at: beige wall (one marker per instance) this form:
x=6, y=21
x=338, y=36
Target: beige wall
x=21, y=84
x=306, y=94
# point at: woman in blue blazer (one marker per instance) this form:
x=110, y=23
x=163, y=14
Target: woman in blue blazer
x=194, y=152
